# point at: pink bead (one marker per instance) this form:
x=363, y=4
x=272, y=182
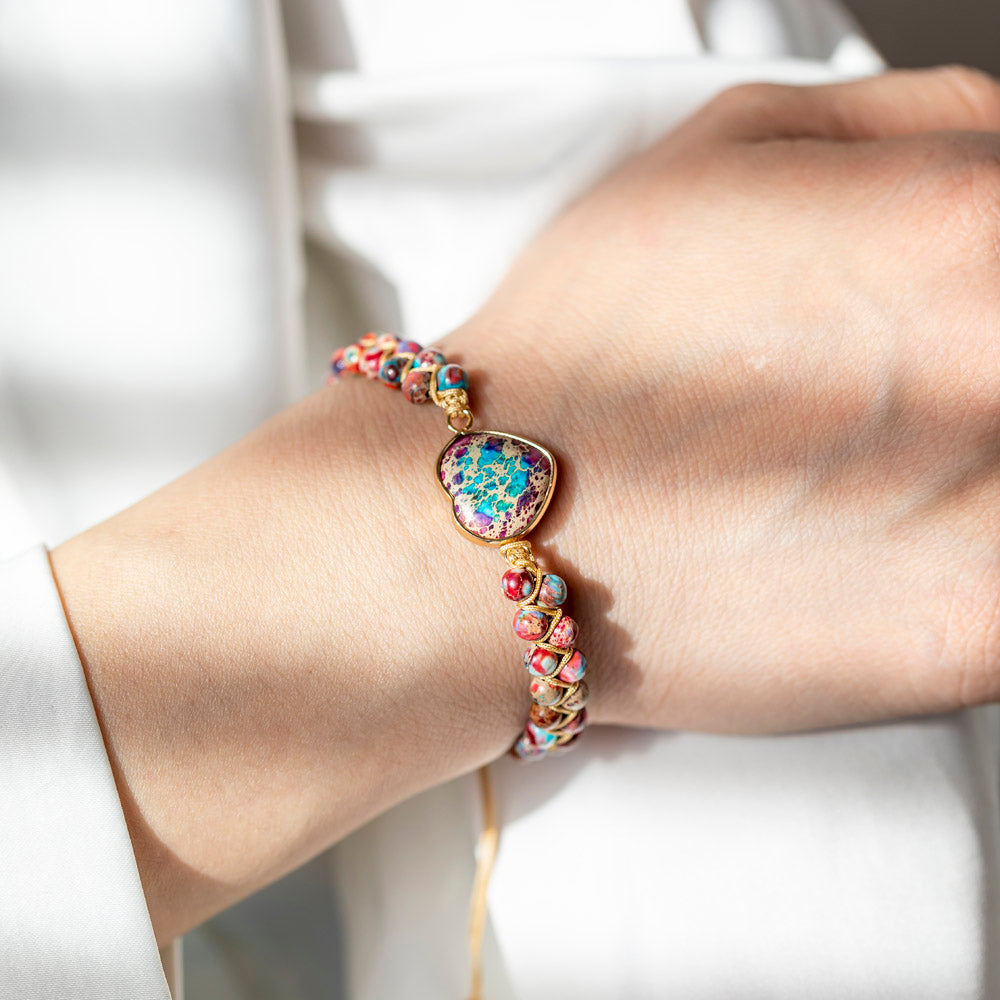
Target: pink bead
x=517, y=584
x=428, y=357
x=564, y=633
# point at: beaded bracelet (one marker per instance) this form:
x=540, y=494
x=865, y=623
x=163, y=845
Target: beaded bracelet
x=499, y=485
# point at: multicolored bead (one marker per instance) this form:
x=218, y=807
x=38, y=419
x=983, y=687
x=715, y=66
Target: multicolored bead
x=564, y=633
x=429, y=357
x=542, y=737
x=391, y=371
x=574, y=668
x=530, y=624
x=499, y=484
x=517, y=584
x=367, y=341
x=576, y=699
x=541, y=662
x=370, y=362
x=543, y=690
x=527, y=749
x=337, y=362
x=408, y=347
x=417, y=385
x=452, y=377
x=552, y=591
x=545, y=718
x=351, y=357
x=386, y=342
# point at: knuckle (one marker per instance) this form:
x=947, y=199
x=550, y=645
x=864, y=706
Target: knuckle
x=976, y=91
x=958, y=194
x=745, y=99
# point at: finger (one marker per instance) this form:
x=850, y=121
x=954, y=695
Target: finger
x=900, y=102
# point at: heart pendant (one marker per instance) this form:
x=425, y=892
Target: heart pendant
x=499, y=484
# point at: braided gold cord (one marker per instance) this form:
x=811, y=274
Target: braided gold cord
x=518, y=554
x=454, y=402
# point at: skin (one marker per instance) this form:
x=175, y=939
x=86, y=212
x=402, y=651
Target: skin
x=766, y=354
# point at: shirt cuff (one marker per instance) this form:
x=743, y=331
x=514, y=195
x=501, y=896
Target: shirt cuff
x=73, y=917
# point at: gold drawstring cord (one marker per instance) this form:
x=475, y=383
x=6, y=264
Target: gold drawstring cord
x=486, y=853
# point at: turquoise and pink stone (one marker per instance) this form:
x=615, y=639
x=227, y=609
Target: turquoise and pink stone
x=499, y=484
x=541, y=662
x=551, y=591
x=574, y=668
x=530, y=624
x=452, y=377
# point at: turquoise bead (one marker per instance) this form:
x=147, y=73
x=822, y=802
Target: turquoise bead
x=552, y=592
x=452, y=377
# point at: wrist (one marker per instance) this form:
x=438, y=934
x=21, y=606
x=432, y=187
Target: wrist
x=285, y=642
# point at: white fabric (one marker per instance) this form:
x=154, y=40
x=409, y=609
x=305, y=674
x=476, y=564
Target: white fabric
x=73, y=920
x=148, y=262
x=148, y=295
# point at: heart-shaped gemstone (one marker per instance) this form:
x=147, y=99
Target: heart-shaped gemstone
x=500, y=484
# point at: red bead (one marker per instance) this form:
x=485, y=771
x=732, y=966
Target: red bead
x=370, y=362
x=517, y=584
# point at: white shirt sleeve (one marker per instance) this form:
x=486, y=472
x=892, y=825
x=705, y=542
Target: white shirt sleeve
x=73, y=918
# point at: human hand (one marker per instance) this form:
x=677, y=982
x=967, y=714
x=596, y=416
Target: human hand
x=768, y=353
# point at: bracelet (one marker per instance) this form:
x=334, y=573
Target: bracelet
x=499, y=486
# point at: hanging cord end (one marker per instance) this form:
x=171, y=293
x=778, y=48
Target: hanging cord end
x=486, y=852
